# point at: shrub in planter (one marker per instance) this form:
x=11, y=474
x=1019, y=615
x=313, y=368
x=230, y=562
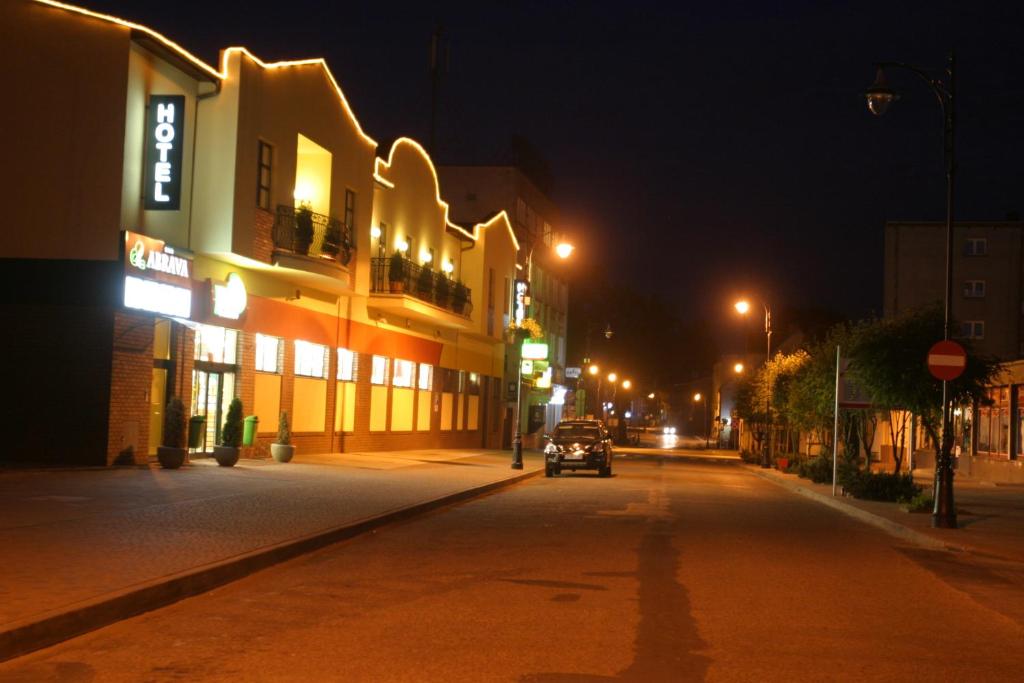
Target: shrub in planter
x=882, y=486
x=396, y=273
x=332, y=241
x=231, y=436
x=303, y=229
x=441, y=292
x=282, y=449
x=425, y=283
x=460, y=295
x=172, y=453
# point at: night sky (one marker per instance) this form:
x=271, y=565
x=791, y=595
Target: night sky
x=703, y=149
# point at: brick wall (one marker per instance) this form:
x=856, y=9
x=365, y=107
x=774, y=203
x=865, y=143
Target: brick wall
x=263, y=240
x=131, y=374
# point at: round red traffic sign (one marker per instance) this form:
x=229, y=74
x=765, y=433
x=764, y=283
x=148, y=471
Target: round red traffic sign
x=947, y=360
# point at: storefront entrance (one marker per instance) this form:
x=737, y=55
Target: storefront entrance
x=212, y=391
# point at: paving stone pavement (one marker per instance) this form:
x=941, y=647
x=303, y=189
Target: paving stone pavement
x=73, y=536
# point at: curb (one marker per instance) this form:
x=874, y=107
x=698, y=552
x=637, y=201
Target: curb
x=887, y=525
x=26, y=636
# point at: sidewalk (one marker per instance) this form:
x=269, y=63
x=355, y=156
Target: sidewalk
x=990, y=517
x=84, y=548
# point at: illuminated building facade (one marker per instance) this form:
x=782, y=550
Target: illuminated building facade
x=219, y=232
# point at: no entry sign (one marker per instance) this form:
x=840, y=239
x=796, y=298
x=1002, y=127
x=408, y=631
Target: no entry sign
x=947, y=360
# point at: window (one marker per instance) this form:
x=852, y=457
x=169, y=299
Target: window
x=972, y=329
x=426, y=381
x=490, y=302
x=974, y=289
x=310, y=359
x=382, y=240
x=268, y=353
x=265, y=161
x=450, y=381
x=405, y=372
x=216, y=344
x=472, y=383
x=346, y=365
x=379, y=372
x=350, y=209
x=976, y=246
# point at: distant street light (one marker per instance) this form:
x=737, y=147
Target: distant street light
x=650, y=395
x=564, y=250
x=743, y=307
x=707, y=439
x=626, y=384
x=879, y=96
x=738, y=368
x=612, y=377
x=593, y=369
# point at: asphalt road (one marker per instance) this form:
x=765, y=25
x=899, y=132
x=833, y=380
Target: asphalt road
x=672, y=570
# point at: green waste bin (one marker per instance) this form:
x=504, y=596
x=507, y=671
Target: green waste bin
x=249, y=433
x=196, y=425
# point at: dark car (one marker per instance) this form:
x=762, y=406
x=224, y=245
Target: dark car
x=578, y=445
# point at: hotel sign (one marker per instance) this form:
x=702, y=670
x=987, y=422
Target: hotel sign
x=521, y=300
x=165, y=129
x=157, y=278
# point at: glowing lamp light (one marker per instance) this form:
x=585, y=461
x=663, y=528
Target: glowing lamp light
x=626, y=384
x=230, y=299
x=593, y=369
x=612, y=377
x=742, y=306
x=303, y=193
x=448, y=266
x=564, y=250
x=738, y=368
x=697, y=396
x=880, y=95
x=375, y=232
x=426, y=256
x=628, y=414
x=402, y=245
x=650, y=395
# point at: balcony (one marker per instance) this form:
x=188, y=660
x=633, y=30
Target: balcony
x=417, y=285
x=313, y=235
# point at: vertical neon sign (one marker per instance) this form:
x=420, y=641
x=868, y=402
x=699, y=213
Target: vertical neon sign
x=165, y=126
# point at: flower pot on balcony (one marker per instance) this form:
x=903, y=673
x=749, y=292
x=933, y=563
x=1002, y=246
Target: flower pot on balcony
x=460, y=296
x=396, y=273
x=303, y=230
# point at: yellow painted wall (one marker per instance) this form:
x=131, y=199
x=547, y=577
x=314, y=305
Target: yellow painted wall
x=312, y=175
x=378, y=409
x=267, y=401
x=401, y=409
x=446, y=412
x=345, y=407
x=473, y=413
x=309, y=403
x=423, y=411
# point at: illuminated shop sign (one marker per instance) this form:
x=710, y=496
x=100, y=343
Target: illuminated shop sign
x=230, y=298
x=157, y=278
x=165, y=127
x=535, y=351
x=522, y=300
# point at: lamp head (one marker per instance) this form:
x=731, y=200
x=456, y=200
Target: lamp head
x=880, y=95
x=612, y=377
x=742, y=306
x=564, y=250
x=626, y=384
x=697, y=397
x=593, y=369
x=738, y=368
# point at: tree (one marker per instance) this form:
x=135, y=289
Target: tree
x=890, y=361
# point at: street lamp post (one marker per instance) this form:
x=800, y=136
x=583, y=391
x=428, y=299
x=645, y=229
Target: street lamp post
x=766, y=452
x=697, y=398
x=563, y=250
x=879, y=97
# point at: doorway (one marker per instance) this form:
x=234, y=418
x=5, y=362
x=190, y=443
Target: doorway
x=212, y=391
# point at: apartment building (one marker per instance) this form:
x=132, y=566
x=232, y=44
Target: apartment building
x=213, y=232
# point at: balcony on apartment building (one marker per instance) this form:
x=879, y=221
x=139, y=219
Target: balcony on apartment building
x=314, y=242
x=417, y=292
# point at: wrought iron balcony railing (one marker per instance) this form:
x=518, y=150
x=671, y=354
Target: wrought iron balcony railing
x=304, y=232
x=420, y=282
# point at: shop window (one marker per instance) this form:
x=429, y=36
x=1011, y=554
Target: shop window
x=265, y=158
x=216, y=344
x=379, y=371
x=310, y=359
x=405, y=371
x=268, y=353
x=346, y=365
x=426, y=379
x=472, y=383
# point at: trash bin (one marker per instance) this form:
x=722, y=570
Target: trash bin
x=195, y=430
x=249, y=433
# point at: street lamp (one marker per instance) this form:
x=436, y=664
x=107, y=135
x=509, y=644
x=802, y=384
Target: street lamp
x=743, y=307
x=738, y=368
x=697, y=398
x=563, y=250
x=879, y=96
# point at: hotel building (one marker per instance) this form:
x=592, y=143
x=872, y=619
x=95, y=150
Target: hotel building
x=212, y=232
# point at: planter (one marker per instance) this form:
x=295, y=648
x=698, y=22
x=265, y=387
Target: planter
x=459, y=306
x=226, y=456
x=396, y=286
x=282, y=452
x=171, y=458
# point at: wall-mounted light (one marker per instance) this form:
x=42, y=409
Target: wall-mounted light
x=402, y=245
x=303, y=193
x=426, y=256
x=375, y=232
x=448, y=266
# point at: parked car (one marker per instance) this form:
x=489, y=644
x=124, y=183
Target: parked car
x=578, y=445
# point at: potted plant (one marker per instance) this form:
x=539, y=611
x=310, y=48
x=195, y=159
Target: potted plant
x=172, y=453
x=332, y=240
x=441, y=292
x=231, y=436
x=396, y=273
x=460, y=295
x=282, y=449
x=303, y=228
x=425, y=283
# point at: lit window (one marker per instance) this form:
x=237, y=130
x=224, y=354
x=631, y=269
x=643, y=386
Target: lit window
x=216, y=344
x=404, y=372
x=379, y=372
x=426, y=382
x=346, y=365
x=268, y=353
x=310, y=359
